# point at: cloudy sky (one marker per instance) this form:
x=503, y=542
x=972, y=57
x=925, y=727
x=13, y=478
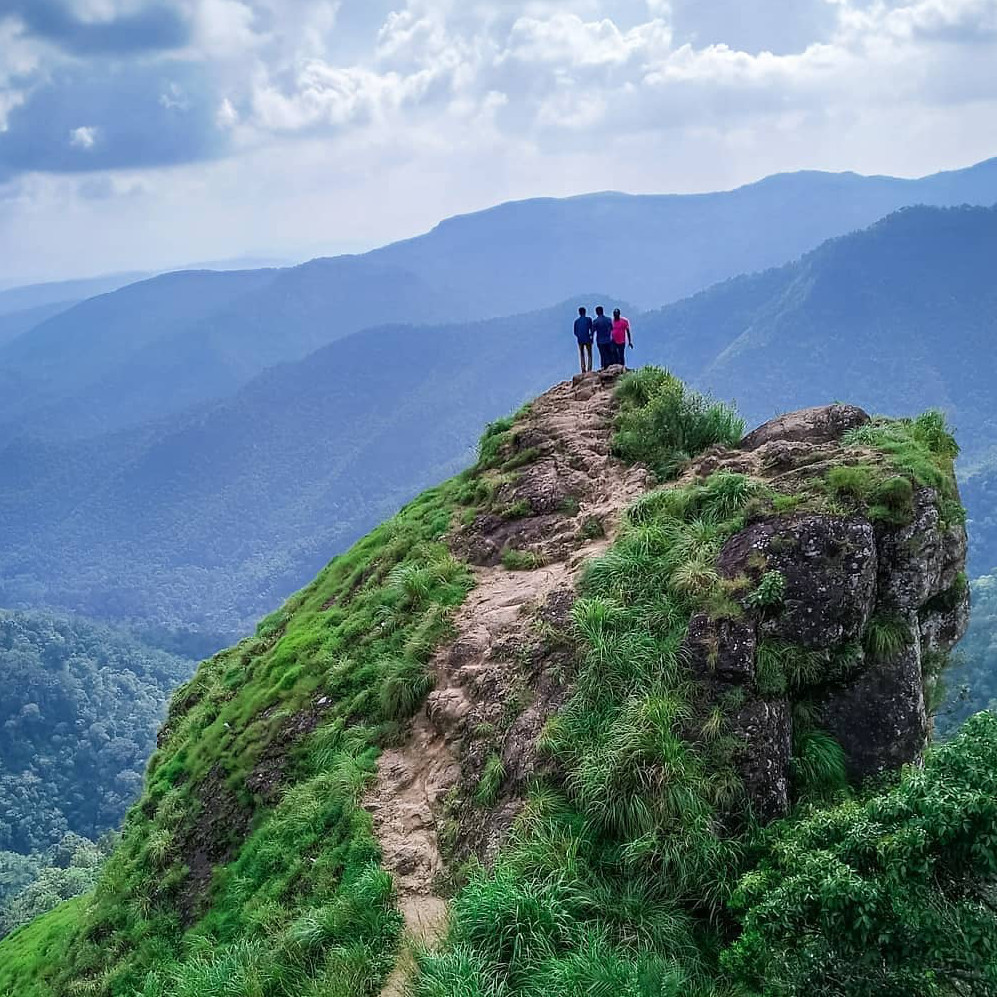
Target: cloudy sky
x=148, y=133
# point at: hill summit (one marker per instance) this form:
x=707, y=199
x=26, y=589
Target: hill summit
x=636, y=705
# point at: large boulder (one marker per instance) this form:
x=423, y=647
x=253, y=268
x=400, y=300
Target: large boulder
x=829, y=566
x=824, y=424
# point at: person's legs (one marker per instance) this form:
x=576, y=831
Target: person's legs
x=607, y=354
x=587, y=359
x=581, y=356
x=621, y=354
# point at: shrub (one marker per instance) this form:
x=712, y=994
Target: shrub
x=662, y=424
x=771, y=590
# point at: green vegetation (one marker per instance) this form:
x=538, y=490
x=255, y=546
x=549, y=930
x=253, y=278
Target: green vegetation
x=887, y=636
x=31, y=886
x=921, y=449
x=79, y=708
x=893, y=894
x=302, y=907
x=770, y=591
x=887, y=498
x=662, y=423
x=491, y=781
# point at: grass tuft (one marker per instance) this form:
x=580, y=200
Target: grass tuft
x=662, y=424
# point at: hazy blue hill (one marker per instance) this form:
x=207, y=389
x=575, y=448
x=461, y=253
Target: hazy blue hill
x=72, y=351
x=210, y=516
x=653, y=249
x=215, y=519
x=900, y=316
x=16, y=323
x=19, y=299
x=158, y=347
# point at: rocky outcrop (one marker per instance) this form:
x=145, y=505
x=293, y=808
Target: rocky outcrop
x=856, y=605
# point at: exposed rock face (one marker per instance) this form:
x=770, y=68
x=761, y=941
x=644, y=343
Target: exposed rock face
x=879, y=717
x=829, y=567
x=841, y=576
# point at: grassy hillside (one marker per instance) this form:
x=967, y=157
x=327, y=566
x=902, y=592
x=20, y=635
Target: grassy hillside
x=301, y=905
x=249, y=866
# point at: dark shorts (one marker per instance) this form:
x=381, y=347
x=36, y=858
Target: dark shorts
x=584, y=342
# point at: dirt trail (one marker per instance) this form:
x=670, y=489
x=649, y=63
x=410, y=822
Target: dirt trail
x=477, y=675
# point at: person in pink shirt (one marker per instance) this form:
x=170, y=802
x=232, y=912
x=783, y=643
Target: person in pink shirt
x=621, y=337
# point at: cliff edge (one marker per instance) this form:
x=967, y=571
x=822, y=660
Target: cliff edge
x=580, y=720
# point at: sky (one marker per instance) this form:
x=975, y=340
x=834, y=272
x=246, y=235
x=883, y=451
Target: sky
x=144, y=134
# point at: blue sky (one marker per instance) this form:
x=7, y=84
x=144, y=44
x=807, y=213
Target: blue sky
x=146, y=133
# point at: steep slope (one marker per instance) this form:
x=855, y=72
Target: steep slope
x=561, y=509
x=577, y=733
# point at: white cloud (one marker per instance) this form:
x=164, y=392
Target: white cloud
x=568, y=40
x=391, y=113
x=227, y=116
x=84, y=137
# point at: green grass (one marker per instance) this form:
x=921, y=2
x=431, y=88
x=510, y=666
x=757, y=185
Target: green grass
x=31, y=955
x=661, y=423
x=884, y=496
x=491, y=781
x=303, y=907
x=887, y=636
x=520, y=560
x=922, y=450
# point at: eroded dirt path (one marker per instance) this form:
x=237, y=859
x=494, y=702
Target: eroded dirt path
x=488, y=699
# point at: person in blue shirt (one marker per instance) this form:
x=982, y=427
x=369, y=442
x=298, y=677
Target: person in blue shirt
x=583, y=333
x=602, y=326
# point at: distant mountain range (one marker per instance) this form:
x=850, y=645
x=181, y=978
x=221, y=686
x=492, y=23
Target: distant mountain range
x=209, y=515
x=160, y=347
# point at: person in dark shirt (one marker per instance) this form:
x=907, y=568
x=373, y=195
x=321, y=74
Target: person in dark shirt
x=602, y=326
x=583, y=333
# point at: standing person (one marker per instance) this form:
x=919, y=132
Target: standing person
x=602, y=326
x=621, y=337
x=583, y=333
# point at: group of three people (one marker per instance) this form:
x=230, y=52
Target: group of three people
x=611, y=335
